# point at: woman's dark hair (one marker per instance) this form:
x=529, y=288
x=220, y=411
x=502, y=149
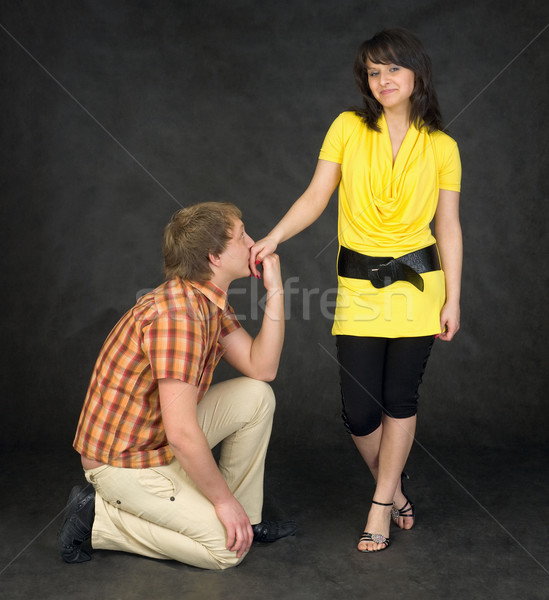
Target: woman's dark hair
x=400, y=47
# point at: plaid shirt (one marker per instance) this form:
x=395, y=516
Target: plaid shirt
x=172, y=332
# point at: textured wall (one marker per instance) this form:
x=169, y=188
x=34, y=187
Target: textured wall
x=115, y=114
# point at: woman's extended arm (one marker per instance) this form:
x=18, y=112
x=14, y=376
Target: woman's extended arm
x=305, y=211
x=450, y=245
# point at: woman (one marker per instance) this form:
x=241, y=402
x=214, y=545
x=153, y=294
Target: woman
x=397, y=291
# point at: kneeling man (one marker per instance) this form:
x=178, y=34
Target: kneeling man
x=151, y=418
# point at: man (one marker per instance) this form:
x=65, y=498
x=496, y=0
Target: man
x=150, y=417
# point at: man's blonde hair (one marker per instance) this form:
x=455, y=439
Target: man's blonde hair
x=193, y=234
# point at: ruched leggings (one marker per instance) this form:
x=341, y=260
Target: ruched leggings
x=380, y=375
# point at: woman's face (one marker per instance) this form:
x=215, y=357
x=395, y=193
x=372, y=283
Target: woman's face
x=390, y=84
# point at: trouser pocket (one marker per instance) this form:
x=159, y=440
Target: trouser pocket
x=157, y=482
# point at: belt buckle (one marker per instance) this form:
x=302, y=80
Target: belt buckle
x=382, y=275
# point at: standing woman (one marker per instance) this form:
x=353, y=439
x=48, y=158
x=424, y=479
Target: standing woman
x=398, y=286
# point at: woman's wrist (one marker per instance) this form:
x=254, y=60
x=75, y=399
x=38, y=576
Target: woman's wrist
x=453, y=301
x=274, y=237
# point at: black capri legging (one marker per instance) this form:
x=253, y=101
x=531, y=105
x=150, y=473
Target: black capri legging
x=380, y=375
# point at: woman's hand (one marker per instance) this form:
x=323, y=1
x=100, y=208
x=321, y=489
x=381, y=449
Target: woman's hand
x=449, y=322
x=259, y=251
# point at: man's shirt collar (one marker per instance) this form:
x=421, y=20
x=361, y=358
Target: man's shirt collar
x=212, y=292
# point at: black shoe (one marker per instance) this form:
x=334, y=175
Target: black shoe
x=270, y=531
x=77, y=526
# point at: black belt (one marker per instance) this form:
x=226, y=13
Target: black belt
x=384, y=270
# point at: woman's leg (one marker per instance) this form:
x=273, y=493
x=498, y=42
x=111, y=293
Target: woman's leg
x=368, y=447
x=361, y=363
x=405, y=361
x=396, y=441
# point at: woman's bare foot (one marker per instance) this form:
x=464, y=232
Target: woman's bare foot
x=379, y=522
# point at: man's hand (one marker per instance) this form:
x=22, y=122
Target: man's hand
x=259, y=251
x=259, y=357
x=272, y=278
x=239, y=530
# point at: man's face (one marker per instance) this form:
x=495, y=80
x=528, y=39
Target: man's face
x=235, y=257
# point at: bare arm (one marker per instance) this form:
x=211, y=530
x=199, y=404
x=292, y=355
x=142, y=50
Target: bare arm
x=178, y=401
x=259, y=357
x=305, y=211
x=450, y=244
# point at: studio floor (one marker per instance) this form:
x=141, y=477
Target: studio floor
x=481, y=533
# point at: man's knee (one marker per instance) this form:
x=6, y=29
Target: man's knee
x=266, y=394
x=226, y=562
x=259, y=394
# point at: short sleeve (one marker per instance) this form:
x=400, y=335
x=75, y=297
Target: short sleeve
x=229, y=322
x=333, y=146
x=449, y=173
x=175, y=348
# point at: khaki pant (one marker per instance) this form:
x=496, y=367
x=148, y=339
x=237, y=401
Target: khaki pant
x=160, y=513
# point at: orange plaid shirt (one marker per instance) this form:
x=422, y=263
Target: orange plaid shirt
x=172, y=332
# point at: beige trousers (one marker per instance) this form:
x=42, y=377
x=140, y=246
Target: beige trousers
x=160, y=513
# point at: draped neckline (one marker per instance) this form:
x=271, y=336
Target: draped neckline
x=408, y=142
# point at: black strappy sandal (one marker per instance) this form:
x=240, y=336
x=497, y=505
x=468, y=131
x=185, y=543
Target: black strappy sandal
x=377, y=538
x=408, y=510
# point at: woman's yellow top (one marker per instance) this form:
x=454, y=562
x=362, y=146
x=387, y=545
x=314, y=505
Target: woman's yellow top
x=385, y=209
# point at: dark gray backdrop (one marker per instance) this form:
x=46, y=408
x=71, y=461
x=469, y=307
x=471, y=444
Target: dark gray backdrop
x=115, y=114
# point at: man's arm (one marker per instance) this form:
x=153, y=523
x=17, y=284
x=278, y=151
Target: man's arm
x=178, y=401
x=259, y=357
